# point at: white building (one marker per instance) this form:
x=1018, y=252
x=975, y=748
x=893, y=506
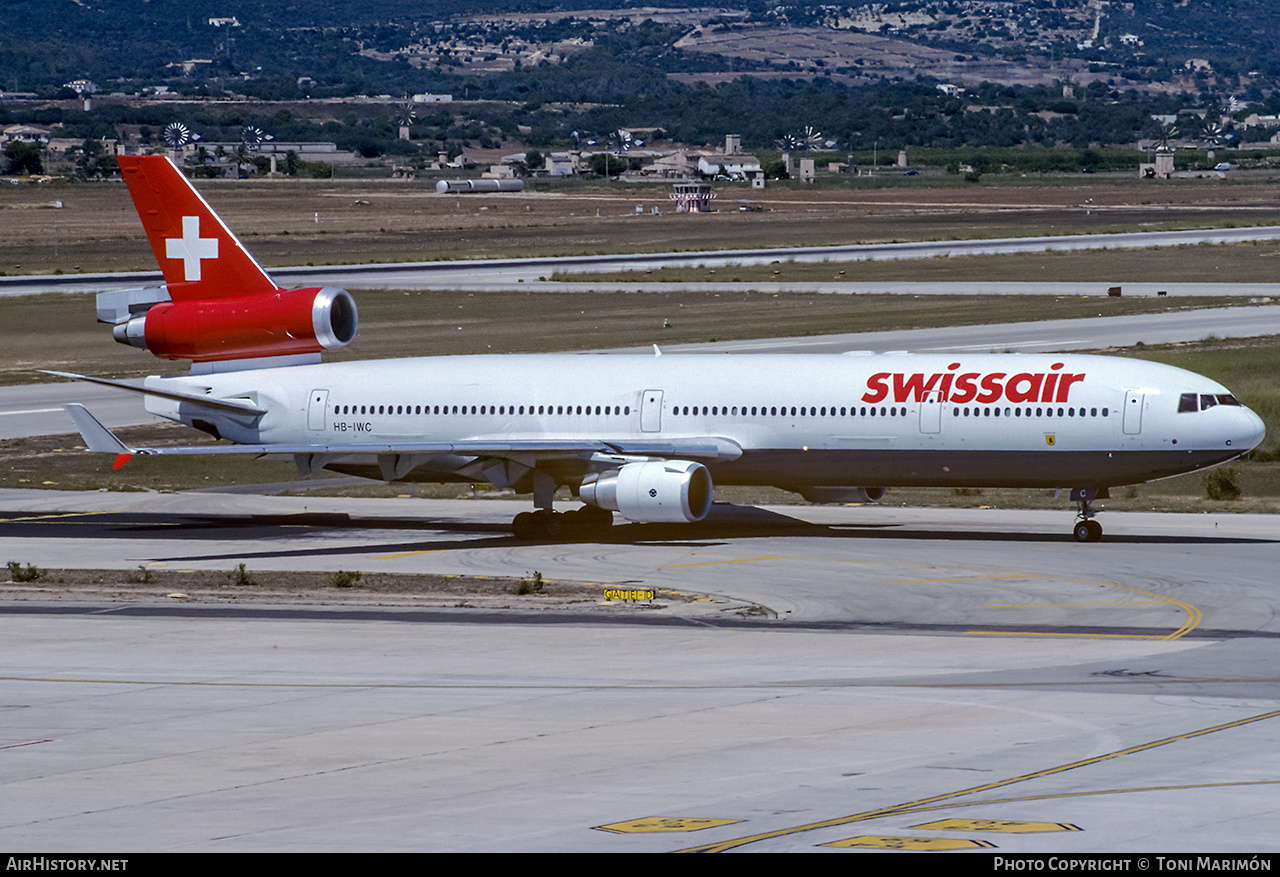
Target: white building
x=735, y=167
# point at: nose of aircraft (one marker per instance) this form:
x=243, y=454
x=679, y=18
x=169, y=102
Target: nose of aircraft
x=1248, y=432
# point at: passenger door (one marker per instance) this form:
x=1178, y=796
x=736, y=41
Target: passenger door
x=316, y=409
x=1134, y=402
x=931, y=412
x=651, y=411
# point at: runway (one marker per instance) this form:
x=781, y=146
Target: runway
x=876, y=676
x=486, y=274
x=36, y=409
x=1040, y=336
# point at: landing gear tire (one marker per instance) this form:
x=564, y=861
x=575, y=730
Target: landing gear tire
x=552, y=524
x=586, y=522
x=1087, y=531
x=541, y=524
x=590, y=521
x=1086, y=528
x=525, y=526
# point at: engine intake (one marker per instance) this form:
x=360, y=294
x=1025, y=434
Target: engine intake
x=279, y=323
x=651, y=492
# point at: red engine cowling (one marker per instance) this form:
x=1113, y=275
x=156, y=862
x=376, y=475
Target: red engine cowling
x=279, y=323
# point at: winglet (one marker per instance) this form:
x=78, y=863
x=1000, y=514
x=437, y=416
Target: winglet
x=98, y=438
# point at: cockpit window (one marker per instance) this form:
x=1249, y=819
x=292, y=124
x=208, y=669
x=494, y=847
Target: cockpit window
x=1205, y=401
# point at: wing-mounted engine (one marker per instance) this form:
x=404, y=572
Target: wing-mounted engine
x=278, y=323
x=653, y=491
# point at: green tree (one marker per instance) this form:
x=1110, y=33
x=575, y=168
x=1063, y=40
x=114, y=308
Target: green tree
x=23, y=158
x=94, y=161
x=775, y=169
x=603, y=164
x=242, y=158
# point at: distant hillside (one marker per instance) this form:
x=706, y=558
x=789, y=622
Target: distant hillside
x=282, y=50
x=947, y=74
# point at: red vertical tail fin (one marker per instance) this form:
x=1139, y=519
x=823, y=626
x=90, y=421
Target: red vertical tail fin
x=218, y=304
x=198, y=254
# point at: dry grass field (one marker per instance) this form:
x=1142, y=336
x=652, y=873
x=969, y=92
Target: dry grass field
x=873, y=54
x=157, y=584
x=300, y=222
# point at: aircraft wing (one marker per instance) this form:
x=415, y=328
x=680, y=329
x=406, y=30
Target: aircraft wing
x=699, y=449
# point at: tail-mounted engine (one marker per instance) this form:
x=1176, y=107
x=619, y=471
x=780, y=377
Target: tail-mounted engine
x=662, y=490
x=277, y=323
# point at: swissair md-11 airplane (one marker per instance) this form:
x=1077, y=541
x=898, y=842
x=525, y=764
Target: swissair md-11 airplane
x=645, y=436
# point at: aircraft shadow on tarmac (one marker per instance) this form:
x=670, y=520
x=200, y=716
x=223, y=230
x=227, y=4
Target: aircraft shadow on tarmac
x=725, y=523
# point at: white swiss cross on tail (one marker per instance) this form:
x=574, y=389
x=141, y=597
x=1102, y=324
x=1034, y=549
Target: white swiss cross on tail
x=191, y=248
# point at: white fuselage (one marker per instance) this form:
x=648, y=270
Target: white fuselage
x=799, y=420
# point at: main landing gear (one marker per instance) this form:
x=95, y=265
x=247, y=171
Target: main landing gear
x=1086, y=528
x=588, y=522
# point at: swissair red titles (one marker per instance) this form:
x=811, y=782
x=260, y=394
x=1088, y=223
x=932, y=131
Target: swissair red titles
x=1051, y=386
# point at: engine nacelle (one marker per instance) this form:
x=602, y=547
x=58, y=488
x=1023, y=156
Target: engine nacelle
x=279, y=323
x=657, y=491
x=842, y=494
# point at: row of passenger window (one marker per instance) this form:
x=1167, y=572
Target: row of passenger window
x=882, y=411
x=717, y=410
x=997, y=411
x=610, y=410
x=782, y=411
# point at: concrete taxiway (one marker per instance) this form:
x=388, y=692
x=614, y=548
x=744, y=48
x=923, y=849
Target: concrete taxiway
x=873, y=676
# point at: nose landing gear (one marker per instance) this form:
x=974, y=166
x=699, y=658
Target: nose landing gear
x=1087, y=531
x=1086, y=528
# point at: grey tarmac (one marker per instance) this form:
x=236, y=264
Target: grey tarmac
x=847, y=673
x=841, y=674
